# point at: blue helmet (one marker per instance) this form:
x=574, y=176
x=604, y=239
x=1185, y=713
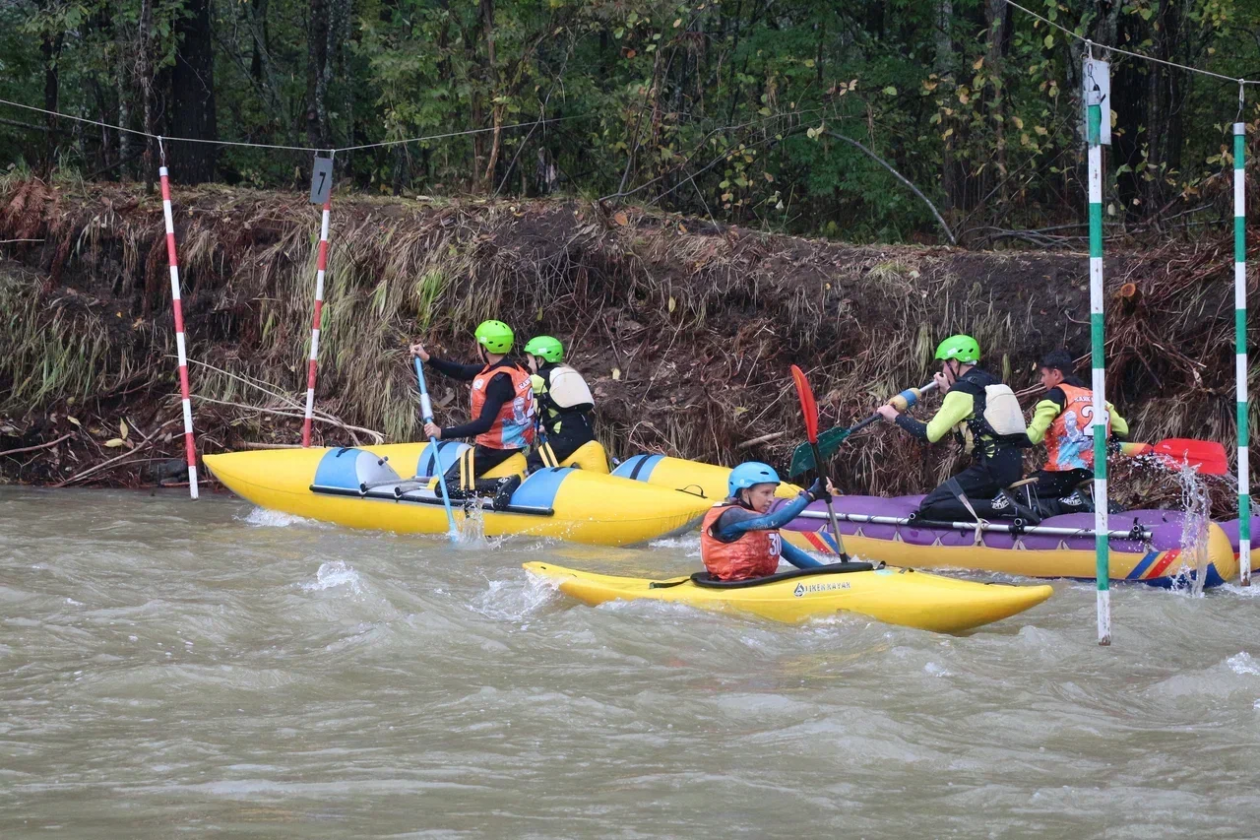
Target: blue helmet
x=749, y=474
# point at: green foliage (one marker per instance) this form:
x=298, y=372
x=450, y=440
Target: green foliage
x=723, y=108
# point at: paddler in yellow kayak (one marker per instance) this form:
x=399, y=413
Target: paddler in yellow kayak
x=502, y=413
x=565, y=404
x=1064, y=420
x=985, y=413
x=739, y=538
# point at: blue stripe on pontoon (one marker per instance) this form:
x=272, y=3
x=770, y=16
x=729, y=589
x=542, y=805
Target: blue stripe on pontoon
x=627, y=466
x=339, y=468
x=649, y=464
x=1140, y=568
x=539, y=490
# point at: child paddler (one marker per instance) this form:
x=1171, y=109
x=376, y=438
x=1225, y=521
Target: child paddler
x=1064, y=420
x=985, y=413
x=565, y=404
x=739, y=538
x=502, y=422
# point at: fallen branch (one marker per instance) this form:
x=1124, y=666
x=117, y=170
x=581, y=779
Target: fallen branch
x=40, y=446
x=148, y=440
x=763, y=439
x=332, y=421
x=902, y=178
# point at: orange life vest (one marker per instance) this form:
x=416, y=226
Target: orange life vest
x=1070, y=441
x=514, y=427
x=755, y=554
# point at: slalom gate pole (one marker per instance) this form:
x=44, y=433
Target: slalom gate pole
x=1240, y=350
x=321, y=266
x=1102, y=570
x=190, y=448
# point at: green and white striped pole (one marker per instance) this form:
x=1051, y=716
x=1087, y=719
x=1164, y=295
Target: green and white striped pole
x=1102, y=548
x=1240, y=349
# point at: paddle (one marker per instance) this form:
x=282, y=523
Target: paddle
x=426, y=411
x=1207, y=456
x=809, y=408
x=805, y=456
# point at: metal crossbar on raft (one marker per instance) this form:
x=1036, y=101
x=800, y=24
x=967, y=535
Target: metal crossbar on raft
x=1137, y=534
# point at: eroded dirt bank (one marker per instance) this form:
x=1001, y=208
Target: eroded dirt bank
x=684, y=331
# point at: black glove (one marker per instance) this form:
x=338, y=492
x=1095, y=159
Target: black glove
x=817, y=491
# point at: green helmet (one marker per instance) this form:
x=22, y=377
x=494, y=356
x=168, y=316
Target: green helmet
x=546, y=347
x=964, y=348
x=495, y=336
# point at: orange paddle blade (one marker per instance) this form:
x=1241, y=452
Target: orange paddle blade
x=809, y=407
x=1208, y=455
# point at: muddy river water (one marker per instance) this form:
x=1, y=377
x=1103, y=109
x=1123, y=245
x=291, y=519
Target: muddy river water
x=174, y=669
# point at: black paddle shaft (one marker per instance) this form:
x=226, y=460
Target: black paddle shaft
x=835, y=524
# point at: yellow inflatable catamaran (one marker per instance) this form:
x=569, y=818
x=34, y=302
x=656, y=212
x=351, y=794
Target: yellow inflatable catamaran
x=363, y=488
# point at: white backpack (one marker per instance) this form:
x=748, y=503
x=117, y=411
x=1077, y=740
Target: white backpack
x=1002, y=411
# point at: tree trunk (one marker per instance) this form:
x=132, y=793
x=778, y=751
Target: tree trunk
x=192, y=96
x=145, y=70
x=317, y=33
x=996, y=15
x=944, y=66
x=492, y=85
x=50, y=51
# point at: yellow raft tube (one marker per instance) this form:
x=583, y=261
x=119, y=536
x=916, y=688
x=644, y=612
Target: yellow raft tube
x=706, y=480
x=893, y=596
x=361, y=488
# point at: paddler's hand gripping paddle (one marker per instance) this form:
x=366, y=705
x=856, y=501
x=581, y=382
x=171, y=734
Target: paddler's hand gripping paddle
x=809, y=408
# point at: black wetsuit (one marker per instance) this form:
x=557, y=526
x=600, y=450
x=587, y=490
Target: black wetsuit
x=996, y=462
x=565, y=429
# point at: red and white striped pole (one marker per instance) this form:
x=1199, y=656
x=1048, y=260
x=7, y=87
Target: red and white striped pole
x=190, y=448
x=321, y=265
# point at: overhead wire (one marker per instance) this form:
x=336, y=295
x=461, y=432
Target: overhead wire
x=314, y=149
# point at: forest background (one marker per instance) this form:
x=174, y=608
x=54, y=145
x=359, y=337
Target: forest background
x=734, y=110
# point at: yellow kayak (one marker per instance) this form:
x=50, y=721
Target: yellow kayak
x=373, y=487
x=891, y=595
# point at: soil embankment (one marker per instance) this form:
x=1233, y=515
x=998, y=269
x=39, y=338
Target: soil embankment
x=684, y=331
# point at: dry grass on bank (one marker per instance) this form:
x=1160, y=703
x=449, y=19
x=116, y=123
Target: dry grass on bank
x=685, y=332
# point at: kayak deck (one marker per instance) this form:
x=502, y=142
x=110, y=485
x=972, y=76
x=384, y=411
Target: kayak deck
x=892, y=595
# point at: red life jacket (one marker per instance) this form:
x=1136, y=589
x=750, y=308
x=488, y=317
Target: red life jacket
x=514, y=427
x=1070, y=440
x=755, y=554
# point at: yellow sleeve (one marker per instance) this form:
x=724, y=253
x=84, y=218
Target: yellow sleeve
x=1119, y=426
x=538, y=384
x=1043, y=416
x=956, y=408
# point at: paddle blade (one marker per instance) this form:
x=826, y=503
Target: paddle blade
x=828, y=442
x=1208, y=455
x=809, y=407
x=802, y=460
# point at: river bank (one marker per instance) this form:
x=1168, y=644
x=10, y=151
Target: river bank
x=684, y=330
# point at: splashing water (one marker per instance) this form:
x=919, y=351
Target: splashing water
x=472, y=529
x=332, y=574
x=1194, y=528
x=264, y=518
